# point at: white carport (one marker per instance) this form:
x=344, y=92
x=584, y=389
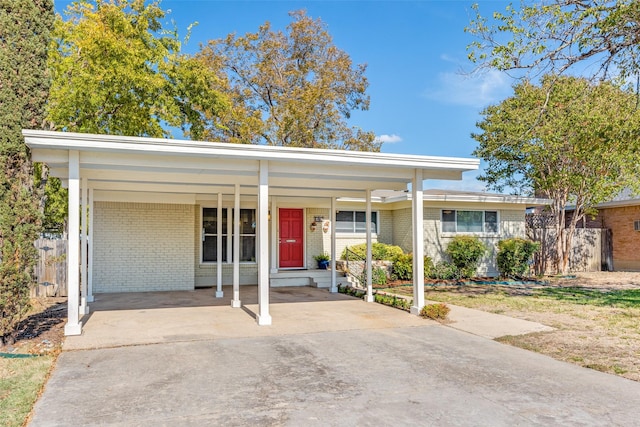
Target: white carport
x=98, y=167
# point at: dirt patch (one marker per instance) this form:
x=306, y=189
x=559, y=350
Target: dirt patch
x=42, y=331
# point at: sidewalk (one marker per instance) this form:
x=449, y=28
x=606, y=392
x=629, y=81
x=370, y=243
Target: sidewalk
x=490, y=325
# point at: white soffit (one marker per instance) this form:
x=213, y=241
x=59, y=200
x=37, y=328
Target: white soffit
x=113, y=162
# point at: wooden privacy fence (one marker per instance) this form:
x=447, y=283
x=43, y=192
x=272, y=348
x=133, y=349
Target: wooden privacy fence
x=51, y=269
x=591, y=249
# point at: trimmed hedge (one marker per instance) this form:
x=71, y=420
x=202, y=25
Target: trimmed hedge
x=379, y=251
x=514, y=256
x=466, y=252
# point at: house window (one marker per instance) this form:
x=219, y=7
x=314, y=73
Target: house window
x=458, y=221
x=210, y=235
x=636, y=225
x=355, y=222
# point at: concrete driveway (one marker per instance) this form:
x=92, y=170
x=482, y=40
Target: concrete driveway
x=361, y=364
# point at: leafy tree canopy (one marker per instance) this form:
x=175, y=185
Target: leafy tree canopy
x=292, y=88
x=551, y=36
x=567, y=139
x=117, y=70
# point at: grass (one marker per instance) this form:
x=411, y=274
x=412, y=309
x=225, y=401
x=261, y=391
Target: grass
x=21, y=381
x=594, y=328
x=613, y=298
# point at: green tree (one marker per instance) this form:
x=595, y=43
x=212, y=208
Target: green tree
x=567, y=139
x=289, y=89
x=552, y=36
x=116, y=70
x=25, y=27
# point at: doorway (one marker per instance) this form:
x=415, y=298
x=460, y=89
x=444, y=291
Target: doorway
x=291, y=242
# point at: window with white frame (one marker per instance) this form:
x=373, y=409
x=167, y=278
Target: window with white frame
x=636, y=225
x=355, y=222
x=210, y=235
x=459, y=221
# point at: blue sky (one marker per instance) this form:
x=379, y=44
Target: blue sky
x=421, y=100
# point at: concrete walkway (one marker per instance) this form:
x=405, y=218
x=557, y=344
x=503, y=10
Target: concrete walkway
x=334, y=361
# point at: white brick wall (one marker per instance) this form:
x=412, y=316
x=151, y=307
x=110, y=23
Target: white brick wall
x=143, y=247
x=317, y=241
x=402, y=229
x=317, y=244
x=512, y=224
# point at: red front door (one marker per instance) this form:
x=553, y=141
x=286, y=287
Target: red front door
x=291, y=238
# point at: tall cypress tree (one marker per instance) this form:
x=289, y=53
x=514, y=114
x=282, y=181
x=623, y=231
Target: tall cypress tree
x=25, y=27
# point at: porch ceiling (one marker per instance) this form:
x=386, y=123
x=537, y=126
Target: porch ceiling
x=131, y=164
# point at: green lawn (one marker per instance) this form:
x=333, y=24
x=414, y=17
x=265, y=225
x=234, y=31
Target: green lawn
x=594, y=328
x=628, y=298
x=20, y=383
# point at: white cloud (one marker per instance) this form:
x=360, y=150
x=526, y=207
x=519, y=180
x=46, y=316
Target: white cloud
x=388, y=139
x=476, y=90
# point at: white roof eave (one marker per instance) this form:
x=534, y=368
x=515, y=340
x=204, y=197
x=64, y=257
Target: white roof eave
x=37, y=139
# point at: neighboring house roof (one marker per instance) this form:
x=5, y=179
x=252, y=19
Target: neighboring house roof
x=438, y=195
x=625, y=198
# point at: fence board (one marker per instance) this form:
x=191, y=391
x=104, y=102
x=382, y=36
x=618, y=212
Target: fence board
x=51, y=269
x=587, y=252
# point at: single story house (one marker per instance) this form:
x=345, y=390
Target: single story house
x=621, y=218
x=176, y=215
x=171, y=215
x=446, y=213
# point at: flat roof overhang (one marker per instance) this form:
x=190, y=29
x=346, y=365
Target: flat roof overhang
x=155, y=165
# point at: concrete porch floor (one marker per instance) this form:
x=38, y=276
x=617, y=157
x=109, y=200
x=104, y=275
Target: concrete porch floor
x=140, y=318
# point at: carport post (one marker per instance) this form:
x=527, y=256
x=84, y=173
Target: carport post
x=84, y=309
x=235, y=302
x=90, y=249
x=73, y=326
x=369, y=297
x=332, y=219
x=417, y=203
x=274, y=234
x=263, y=317
x=219, y=293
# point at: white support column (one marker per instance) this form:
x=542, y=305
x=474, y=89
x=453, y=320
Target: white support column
x=417, y=204
x=369, y=297
x=219, y=293
x=263, y=317
x=73, y=326
x=235, y=302
x=84, y=309
x=90, y=267
x=274, y=235
x=334, y=255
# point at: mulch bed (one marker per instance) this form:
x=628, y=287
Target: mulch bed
x=42, y=332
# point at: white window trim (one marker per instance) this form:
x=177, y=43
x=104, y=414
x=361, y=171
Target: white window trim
x=229, y=234
x=352, y=234
x=472, y=233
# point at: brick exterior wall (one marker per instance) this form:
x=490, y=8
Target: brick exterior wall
x=318, y=241
x=402, y=229
x=625, y=241
x=512, y=224
x=143, y=247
